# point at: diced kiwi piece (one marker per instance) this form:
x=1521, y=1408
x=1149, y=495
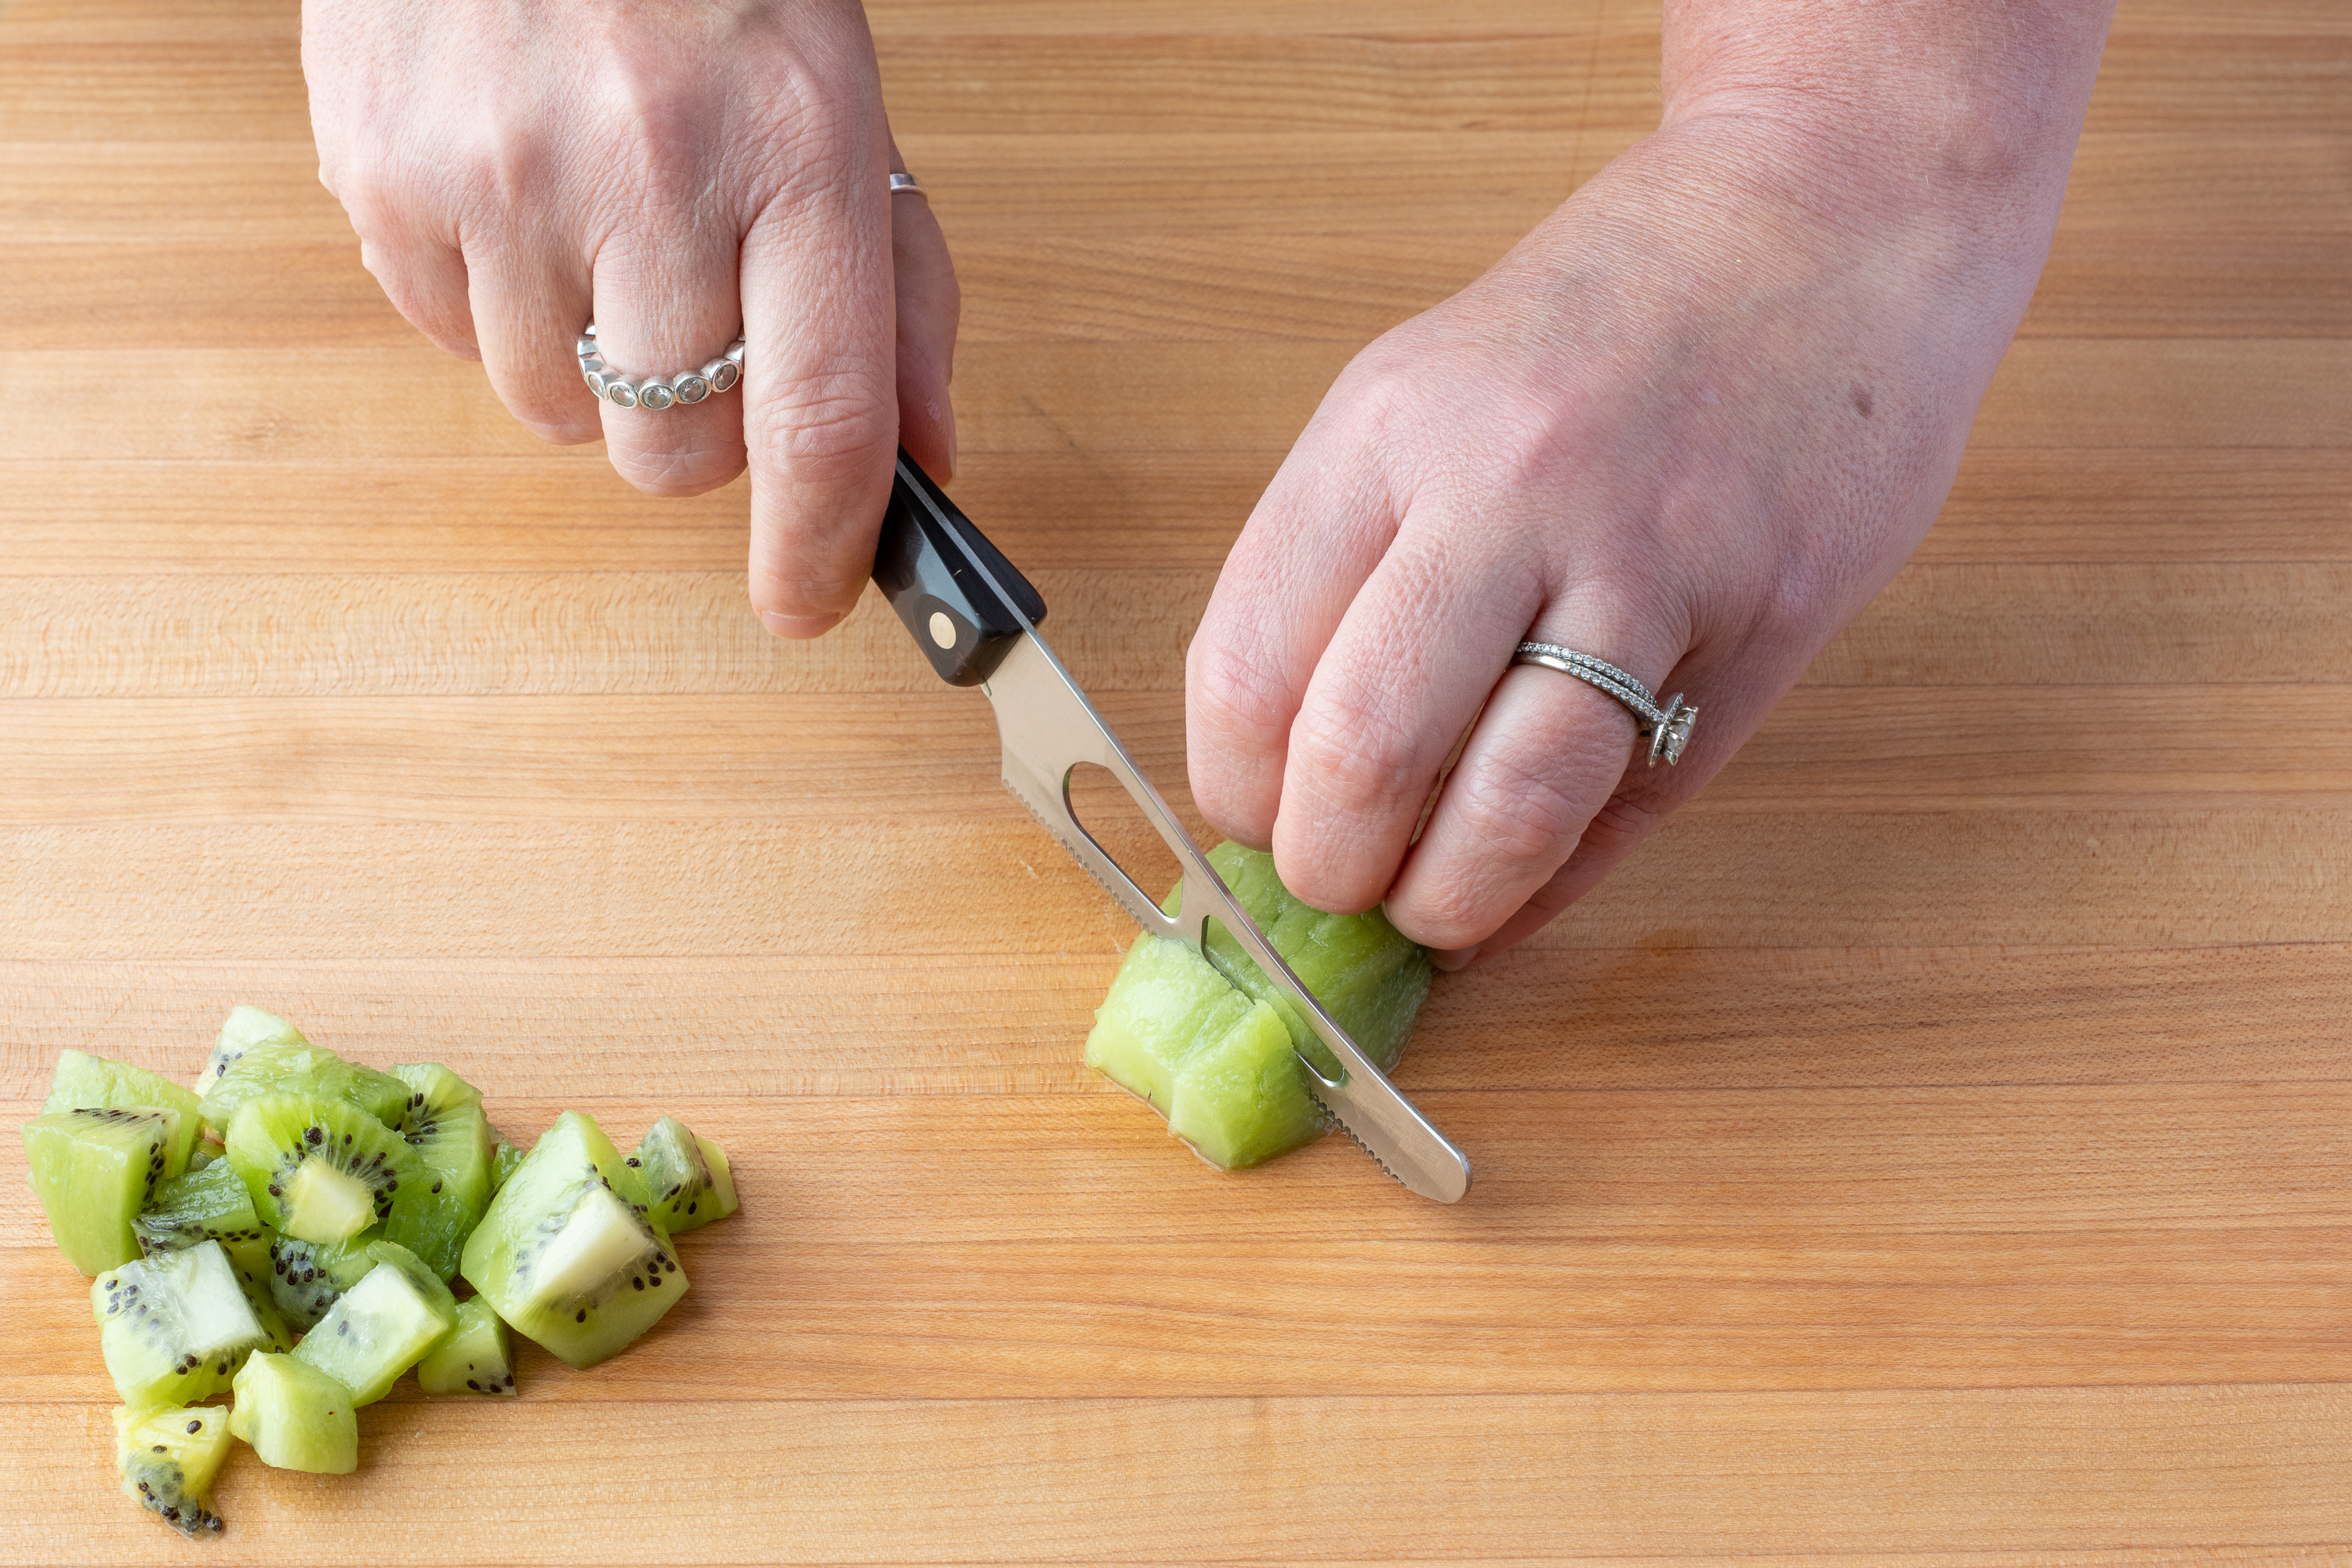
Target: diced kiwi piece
x=379, y=1329
x=687, y=1181
x=432, y=1088
x=210, y=1205
x=84, y=1083
x=94, y=1170
x=244, y=1028
x=564, y=1258
x=168, y=1459
x=440, y=1206
x=505, y=1159
x=296, y=1416
x=306, y=1277
x=1195, y=1036
x=295, y=1066
x=173, y=1328
x=475, y=1357
x=319, y=1170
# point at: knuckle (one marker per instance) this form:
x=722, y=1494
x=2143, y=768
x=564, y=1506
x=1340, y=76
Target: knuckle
x=831, y=429
x=1237, y=693
x=679, y=472
x=1354, y=759
x=1518, y=816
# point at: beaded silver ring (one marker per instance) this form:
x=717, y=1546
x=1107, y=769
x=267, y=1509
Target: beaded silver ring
x=656, y=392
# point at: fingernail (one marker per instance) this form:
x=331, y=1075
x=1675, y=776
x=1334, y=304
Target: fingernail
x=801, y=627
x=1458, y=959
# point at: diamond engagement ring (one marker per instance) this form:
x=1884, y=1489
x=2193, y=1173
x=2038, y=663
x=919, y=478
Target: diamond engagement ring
x=657, y=391
x=1667, y=729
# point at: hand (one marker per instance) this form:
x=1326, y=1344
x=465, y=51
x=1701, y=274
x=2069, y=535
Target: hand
x=1691, y=425
x=674, y=172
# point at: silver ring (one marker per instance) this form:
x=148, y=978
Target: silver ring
x=1667, y=729
x=902, y=181
x=657, y=391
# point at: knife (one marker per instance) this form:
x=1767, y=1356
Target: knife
x=975, y=618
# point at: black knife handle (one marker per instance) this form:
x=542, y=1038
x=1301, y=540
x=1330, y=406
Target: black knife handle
x=936, y=568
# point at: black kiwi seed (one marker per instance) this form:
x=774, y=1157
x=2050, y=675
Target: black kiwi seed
x=196, y=1426
x=472, y=1385
x=632, y=1161
x=581, y=1316
x=159, y=1447
x=315, y=1136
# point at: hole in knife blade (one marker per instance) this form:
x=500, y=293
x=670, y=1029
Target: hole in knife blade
x=1107, y=813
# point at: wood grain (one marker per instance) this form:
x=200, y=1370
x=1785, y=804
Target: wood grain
x=1931, y=1150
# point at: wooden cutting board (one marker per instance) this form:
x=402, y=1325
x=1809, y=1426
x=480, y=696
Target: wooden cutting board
x=1937, y=1144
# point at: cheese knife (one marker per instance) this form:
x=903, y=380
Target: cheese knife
x=975, y=618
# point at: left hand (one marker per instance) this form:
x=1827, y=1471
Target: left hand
x=1691, y=425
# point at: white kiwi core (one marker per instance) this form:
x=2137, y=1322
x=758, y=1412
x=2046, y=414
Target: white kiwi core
x=323, y=1204
x=600, y=1239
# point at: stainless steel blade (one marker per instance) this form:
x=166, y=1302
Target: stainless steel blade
x=1048, y=728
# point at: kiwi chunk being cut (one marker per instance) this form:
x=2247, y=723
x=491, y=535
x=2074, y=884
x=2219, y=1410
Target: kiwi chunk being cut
x=564, y=1258
x=379, y=1329
x=475, y=1357
x=244, y=1028
x=1208, y=1042
x=688, y=1181
x=319, y=1170
x=168, y=1459
x=83, y=1082
x=295, y=1066
x=439, y=1208
x=94, y=1172
x=173, y=1328
x=296, y=1416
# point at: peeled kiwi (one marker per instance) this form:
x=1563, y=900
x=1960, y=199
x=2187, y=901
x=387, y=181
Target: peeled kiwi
x=444, y=1124
x=319, y=1170
x=168, y=1459
x=688, y=1181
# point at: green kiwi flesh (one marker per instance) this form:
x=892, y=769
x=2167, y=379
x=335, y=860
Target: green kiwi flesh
x=476, y=1358
x=564, y=1258
x=296, y=1416
x=505, y=1159
x=210, y=1205
x=245, y=1027
x=168, y=1459
x=439, y=1208
x=1209, y=1042
x=319, y=1170
x=305, y=1277
x=688, y=1180
x=173, y=1328
x=84, y=1083
x=295, y=1066
x=94, y=1170
x=377, y=1329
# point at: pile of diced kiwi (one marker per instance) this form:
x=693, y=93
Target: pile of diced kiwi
x=288, y=1231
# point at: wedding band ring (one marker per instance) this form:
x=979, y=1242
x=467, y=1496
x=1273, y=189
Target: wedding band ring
x=657, y=391
x=902, y=181
x=1667, y=729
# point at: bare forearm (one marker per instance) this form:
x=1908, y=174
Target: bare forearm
x=1968, y=108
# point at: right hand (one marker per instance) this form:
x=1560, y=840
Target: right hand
x=517, y=168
